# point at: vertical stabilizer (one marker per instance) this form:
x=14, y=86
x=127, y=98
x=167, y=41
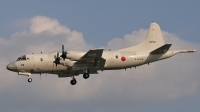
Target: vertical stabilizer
x=153, y=40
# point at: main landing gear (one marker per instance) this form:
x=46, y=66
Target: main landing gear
x=86, y=75
x=73, y=81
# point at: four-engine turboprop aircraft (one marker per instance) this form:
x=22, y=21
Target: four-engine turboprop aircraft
x=73, y=63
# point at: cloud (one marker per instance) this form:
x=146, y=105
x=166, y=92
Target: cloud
x=165, y=80
x=48, y=33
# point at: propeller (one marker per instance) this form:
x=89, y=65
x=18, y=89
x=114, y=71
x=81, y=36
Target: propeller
x=57, y=59
x=64, y=55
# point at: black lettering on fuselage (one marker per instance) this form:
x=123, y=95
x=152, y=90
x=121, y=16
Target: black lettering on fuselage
x=152, y=41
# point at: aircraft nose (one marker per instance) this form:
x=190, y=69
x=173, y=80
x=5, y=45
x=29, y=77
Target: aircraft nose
x=12, y=67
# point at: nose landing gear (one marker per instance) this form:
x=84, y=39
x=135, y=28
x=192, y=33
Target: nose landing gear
x=29, y=80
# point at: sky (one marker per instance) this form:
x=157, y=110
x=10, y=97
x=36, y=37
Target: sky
x=34, y=26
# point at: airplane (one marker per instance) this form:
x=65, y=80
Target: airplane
x=74, y=63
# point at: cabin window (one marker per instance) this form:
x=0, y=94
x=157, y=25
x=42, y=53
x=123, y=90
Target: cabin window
x=41, y=59
x=116, y=56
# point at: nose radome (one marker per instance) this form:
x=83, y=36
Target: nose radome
x=12, y=67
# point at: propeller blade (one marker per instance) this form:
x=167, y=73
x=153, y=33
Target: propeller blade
x=57, y=59
x=55, y=63
x=64, y=56
x=63, y=49
x=57, y=55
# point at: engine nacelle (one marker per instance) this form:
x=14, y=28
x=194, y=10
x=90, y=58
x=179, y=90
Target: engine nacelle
x=74, y=55
x=67, y=62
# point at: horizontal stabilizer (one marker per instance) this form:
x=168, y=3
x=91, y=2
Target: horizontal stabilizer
x=187, y=51
x=162, y=49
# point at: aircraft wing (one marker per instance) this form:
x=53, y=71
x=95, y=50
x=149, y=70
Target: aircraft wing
x=162, y=49
x=92, y=60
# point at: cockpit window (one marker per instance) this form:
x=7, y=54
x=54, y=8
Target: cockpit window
x=21, y=58
x=18, y=59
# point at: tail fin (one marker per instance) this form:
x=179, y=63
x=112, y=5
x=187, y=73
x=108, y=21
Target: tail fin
x=153, y=40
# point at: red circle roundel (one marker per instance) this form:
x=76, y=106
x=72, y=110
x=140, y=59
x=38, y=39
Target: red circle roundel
x=123, y=58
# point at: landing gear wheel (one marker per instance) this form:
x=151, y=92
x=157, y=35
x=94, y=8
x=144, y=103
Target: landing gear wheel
x=29, y=80
x=86, y=75
x=73, y=82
